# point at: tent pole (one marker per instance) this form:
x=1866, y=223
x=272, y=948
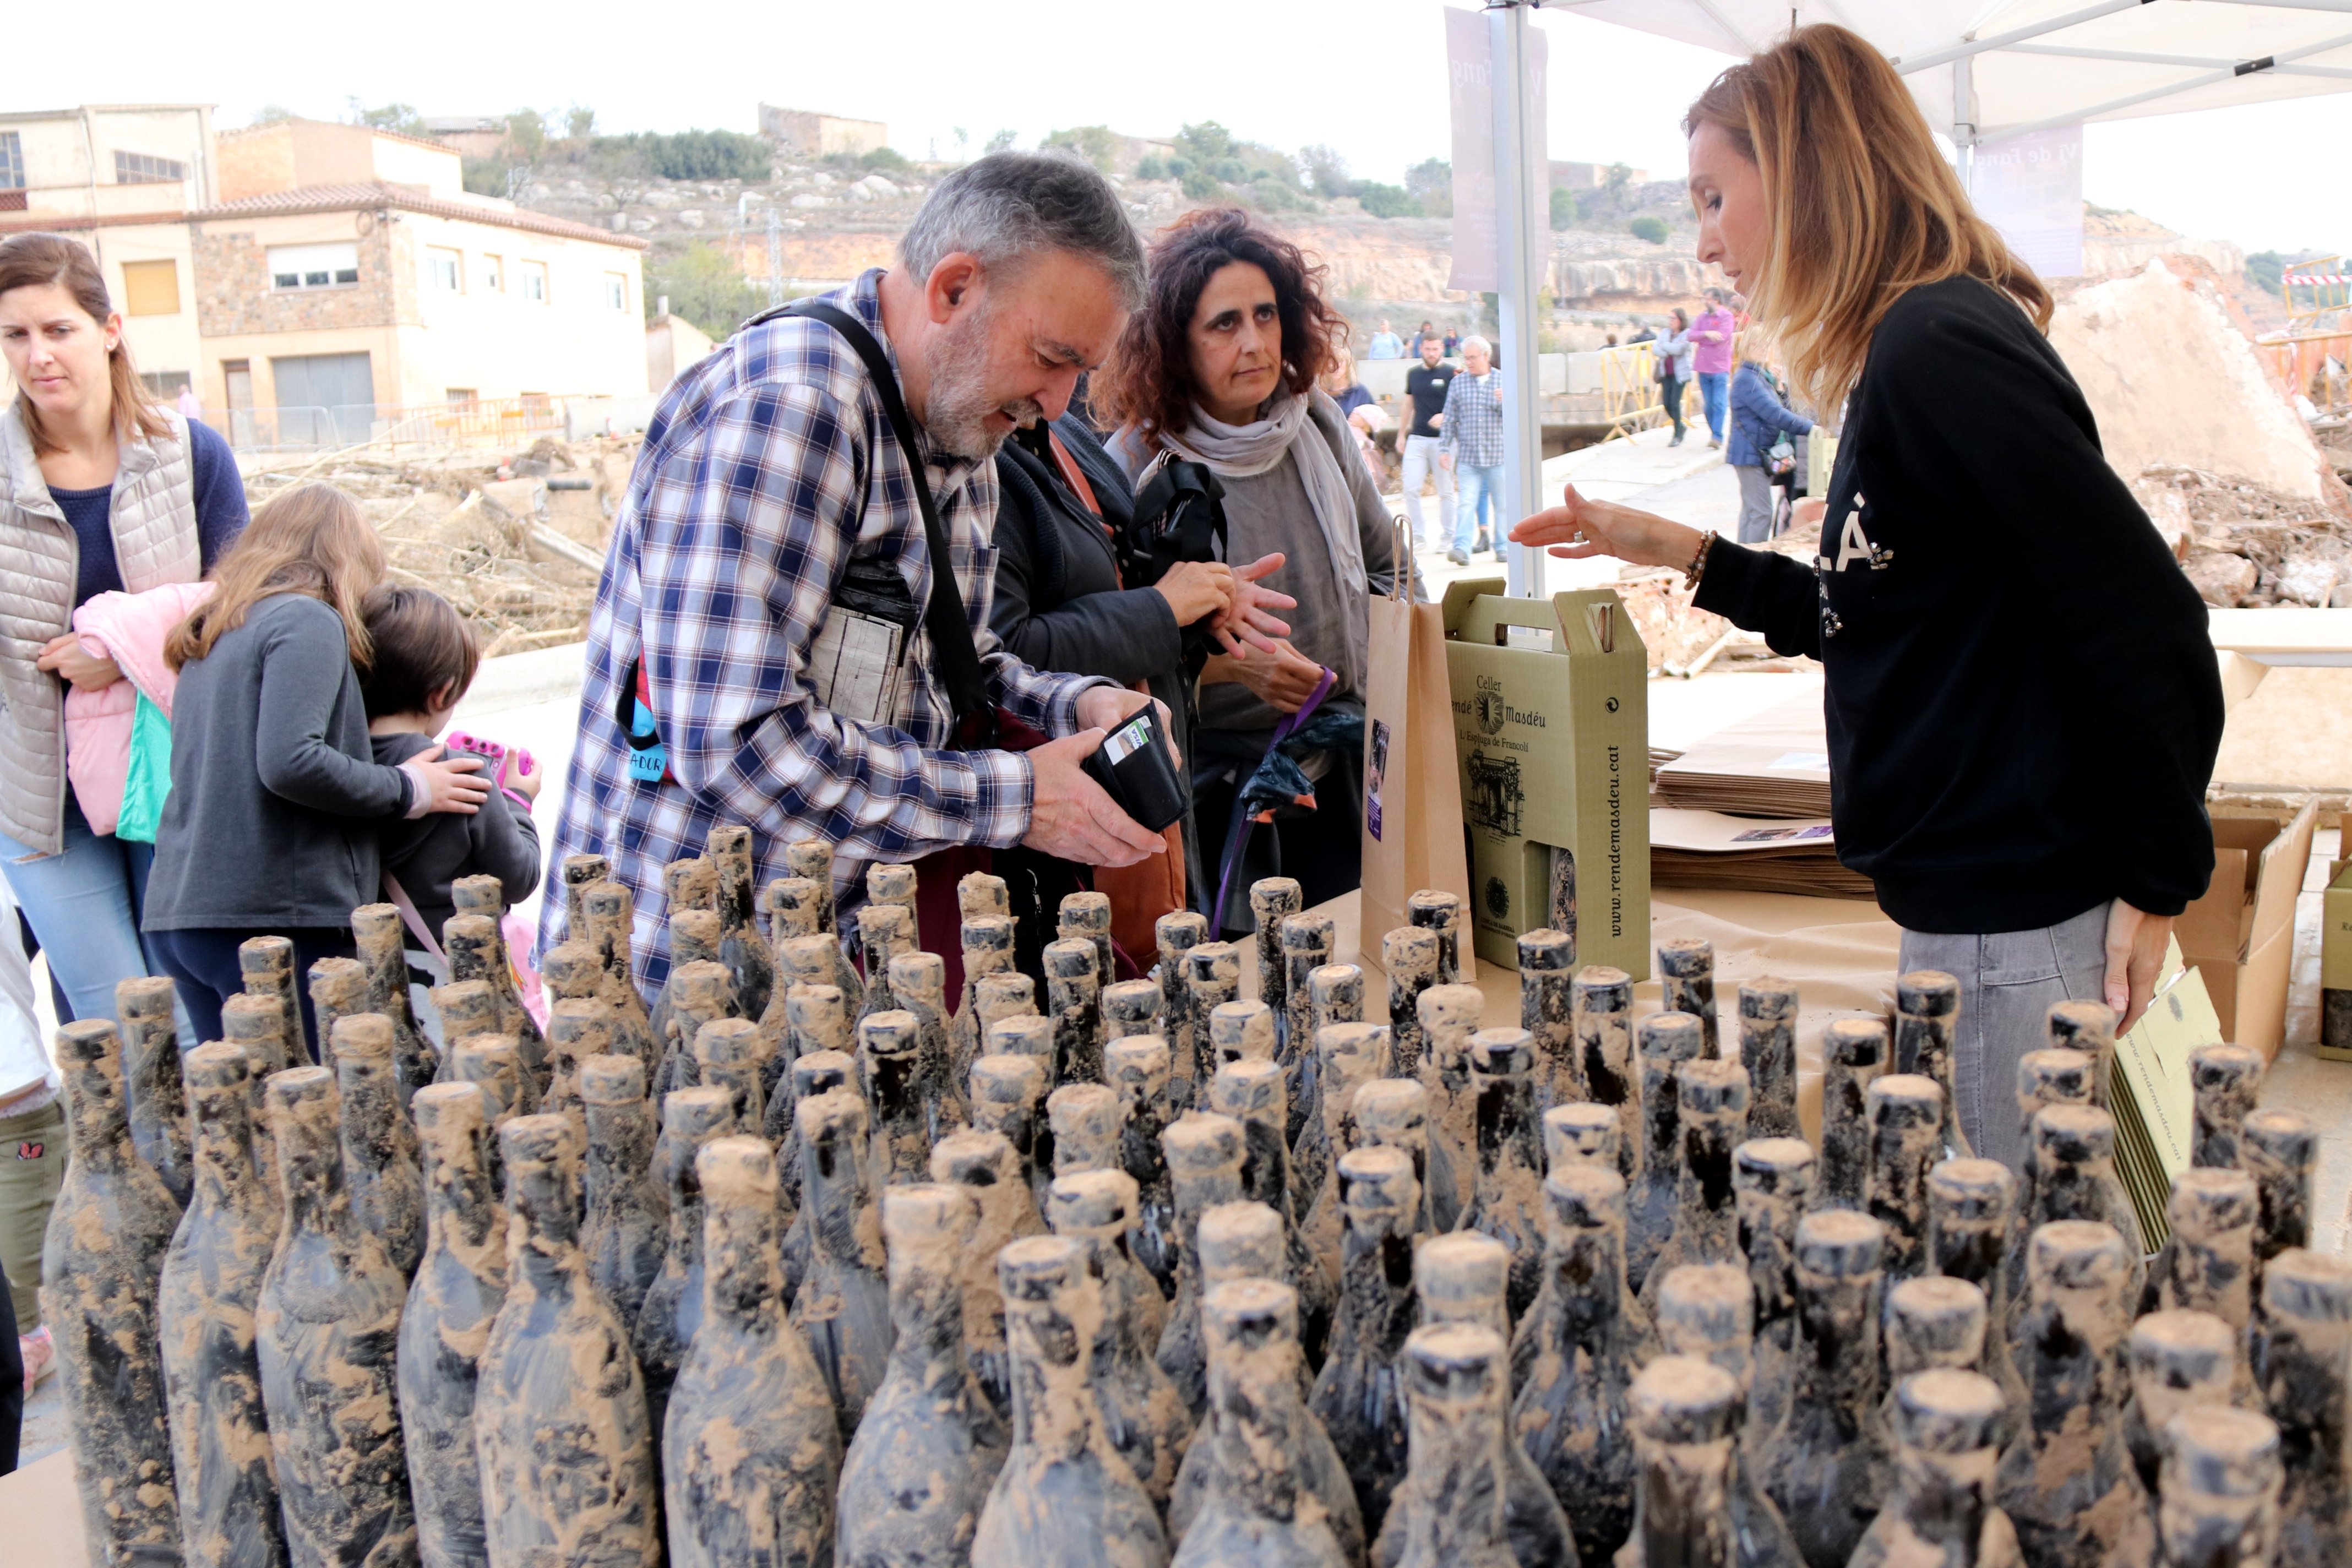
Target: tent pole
x=1964, y=116
x=1520, y=170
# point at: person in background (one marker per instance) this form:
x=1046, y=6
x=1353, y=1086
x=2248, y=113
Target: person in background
x=1453, y=343
x=1426, y=386
x=2022, y=704
x=421, y=659
x=1218, y=368
x=1364, y=416
x=1712, y=336
x=101, y=490
x=1647, y=334
x=1471, y=446
x=1609, y=340
x=15, y=1379
x=277, y=800
x=1423, y=335
x=191, y=406
x=1758, y=418
x=1673, y=350
x=32, y=1157
x=1385, y=344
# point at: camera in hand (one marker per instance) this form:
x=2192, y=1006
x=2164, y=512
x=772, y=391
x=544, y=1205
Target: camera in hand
x=1138, y=770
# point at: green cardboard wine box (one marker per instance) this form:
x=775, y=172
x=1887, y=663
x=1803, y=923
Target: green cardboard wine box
x=1551, y=735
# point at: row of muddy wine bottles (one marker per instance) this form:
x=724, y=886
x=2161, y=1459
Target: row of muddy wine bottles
x=821, y=1257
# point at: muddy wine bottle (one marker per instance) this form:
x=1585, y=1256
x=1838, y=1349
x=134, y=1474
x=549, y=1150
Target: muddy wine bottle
x=1064, y=1497
x=1853, y=1054
x=890, y=1068
x=932, y=1442
x=1465, y=1278
x=671, y=1312
x=1007, y=1098
x=477, y=956
x=918, y=981
x=988, y=950
x=486, y=896
x=211, y=1283
x=1712, y=1120
x=2067, y=1482
x=2223, y=1081
x=1686, y=980
x=1457, y=1390
x=1548, y=1013
x=327, y=1329
x=1434, y=910
x=1927, y=1014
x=1129, y=1007
x=1335, y=994
x=1827, y=1466
x=150, y=1082
x=1074, y=998
x=467, y=1008
x=1905, y=1119
x=819, y=1025
x=1088, y=1119
x=1251, y=1093
x=2208, y=1265
x=492, y=1064
x=1572, y=1360
x=751, y=1453
x=1306, y=941
x=1580, y=1133
x=1347, y=1057
x=1205, y=1154
x=2179, y=1361
x=700, y=991
x=1508, y=1202
x=625, y=1235
x=571, y=973
x=813, y=1073
x=1393, y=1112
x=983, y=1165
x=1273, y=899
x=1212, y=978
x=1085, y=917
x=1707, y=1311
x=1772, y=1178
x=379, y=1140
x=1143, y=1415
x=1941, y=1509
x=2053, y=1076
x=267, y=965
x=1604, y=1050
x=1768, y=1049
x=843, y=1303
x=376, y=929
x=1138, y=1067
x=2298, y=1348
x=560, y=1415
x=339, y=988
x=2280, y=1149
x=2088, y=1027
x=608, y=914
x=1668, y=1042
x=256, y=1025
x=1685, y=1412
x=445, y=1324
x=1259, y=1504
x=576, y=873
x=1449, y=1018
x=1357, y=1395
x=728, y=848
x=2073, y=1178
x=1176, y=935
x=729, y=1055
x=2221, y=1485
x=1969, y=1203
x=811, y=859
x=1409, y=958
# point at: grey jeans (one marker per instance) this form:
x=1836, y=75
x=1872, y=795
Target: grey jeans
x=2008, y=982
x=1755, y=503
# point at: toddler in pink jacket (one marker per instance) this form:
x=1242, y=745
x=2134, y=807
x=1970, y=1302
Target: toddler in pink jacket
x=129, y=630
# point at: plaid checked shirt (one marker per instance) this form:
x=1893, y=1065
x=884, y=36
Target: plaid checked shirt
x=1474, y=420
x=768, y=466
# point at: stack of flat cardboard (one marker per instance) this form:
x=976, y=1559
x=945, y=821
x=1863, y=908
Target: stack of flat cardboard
x=1751, y=855
x=2150, y=1095
x=1776, y=763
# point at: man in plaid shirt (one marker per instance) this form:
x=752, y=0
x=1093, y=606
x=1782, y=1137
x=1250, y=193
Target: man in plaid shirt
x=1471, y=446
x=769, y=467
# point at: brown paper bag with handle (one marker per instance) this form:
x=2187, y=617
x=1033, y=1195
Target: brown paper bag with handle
x=1412, y=788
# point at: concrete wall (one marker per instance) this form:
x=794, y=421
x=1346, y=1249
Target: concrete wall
x=255, y=161
x=294, y=153
x=804, y=134
x=69, y=159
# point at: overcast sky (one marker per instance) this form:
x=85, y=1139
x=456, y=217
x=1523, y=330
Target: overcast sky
x=1366, y=76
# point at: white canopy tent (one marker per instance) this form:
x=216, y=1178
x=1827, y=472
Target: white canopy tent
x=1981, y=70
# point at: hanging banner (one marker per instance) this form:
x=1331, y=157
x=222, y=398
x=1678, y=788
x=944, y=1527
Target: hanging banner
x=1478, y=268
x=2030, y=188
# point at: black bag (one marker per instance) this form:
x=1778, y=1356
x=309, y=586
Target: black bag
x=1179, y=515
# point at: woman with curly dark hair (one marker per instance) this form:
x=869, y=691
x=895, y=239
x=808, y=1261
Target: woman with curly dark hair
x=1219, y=368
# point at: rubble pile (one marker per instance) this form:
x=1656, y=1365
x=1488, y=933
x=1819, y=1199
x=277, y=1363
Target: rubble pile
x=507, y=538
x=2246, y=546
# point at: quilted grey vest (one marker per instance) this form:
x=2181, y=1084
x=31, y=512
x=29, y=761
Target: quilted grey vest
x=154, y=523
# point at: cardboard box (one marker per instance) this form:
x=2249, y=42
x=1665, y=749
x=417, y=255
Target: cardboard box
x=1551, y=736
x=2336, y=951
x=2152, y=1100
x=2241, y=934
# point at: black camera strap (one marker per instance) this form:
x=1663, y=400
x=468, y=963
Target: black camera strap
x=944, y=616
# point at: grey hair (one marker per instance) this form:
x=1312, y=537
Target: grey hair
x=1008, y=206
x=1482, y=345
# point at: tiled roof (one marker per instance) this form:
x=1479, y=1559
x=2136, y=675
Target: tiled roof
x=363, y=194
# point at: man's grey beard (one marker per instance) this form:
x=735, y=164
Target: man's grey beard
x=955, y=415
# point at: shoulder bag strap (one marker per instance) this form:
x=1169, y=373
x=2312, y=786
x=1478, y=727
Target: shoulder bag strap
x=943, y=616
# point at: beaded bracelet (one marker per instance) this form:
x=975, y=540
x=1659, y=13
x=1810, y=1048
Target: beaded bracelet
x=1697, y=568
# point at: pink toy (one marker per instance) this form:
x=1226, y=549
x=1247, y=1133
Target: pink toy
x=507, y=763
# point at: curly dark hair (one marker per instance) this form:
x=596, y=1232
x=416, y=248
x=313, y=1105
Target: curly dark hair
x=1149, y=381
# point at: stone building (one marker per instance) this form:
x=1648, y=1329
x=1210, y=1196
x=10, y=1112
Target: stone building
x=802, y=133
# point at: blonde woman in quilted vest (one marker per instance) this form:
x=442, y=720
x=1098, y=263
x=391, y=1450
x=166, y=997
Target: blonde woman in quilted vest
x=102, y=490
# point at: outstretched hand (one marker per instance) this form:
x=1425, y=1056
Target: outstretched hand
x=1579, y=528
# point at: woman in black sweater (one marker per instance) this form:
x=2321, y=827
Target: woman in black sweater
x=2023, y=704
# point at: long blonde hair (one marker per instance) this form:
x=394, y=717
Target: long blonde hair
x=1863, y=207
x=309, y=540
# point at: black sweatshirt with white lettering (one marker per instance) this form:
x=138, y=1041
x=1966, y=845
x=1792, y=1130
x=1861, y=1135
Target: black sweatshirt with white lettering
x=2023, y=702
